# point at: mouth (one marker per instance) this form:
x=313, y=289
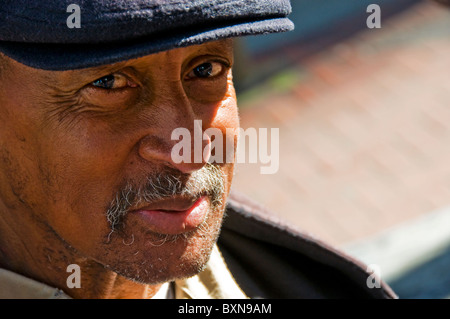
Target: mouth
x=175, y=215
x=168, y=204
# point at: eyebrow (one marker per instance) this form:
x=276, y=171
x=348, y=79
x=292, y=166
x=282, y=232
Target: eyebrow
x=102, y=69
x=219, y=47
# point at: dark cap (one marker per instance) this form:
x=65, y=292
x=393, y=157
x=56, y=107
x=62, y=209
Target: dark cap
x=73, y=34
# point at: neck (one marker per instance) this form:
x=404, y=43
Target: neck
x=99, y=283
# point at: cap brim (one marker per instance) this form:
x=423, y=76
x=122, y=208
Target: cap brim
x=61, y=57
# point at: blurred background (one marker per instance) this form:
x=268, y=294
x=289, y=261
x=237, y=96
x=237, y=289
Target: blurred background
x=364, y=120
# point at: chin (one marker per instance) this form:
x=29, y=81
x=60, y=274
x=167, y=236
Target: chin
x=154, y=258
x=173, y=263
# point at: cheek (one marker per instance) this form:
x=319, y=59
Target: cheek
x=15, y=176
x=22, y=177
x=227, y=118
x=226, y=114
x=55, y=177
x=227, y=121
x=85, y=171
x=231, y=118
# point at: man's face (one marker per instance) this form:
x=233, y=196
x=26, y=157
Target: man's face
x=86, y=154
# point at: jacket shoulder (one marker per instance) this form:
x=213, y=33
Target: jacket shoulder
x=270, y=259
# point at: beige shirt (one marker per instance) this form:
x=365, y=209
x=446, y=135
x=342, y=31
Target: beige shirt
x=215, y=282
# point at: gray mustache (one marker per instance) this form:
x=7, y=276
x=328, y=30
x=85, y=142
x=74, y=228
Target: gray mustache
x=208, y=181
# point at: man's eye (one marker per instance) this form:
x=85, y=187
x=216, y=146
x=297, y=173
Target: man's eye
x=112, y=81
x=206, y=70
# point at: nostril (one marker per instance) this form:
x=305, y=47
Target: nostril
x=154, y=148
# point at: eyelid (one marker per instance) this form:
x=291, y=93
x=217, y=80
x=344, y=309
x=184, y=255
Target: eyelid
x=225, y=64
x=129, y=78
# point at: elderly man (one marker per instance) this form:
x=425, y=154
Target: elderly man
x=92, y=202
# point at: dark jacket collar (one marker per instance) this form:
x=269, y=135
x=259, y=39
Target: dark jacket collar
x=270, y=259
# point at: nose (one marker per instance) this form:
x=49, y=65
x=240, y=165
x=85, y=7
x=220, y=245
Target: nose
x=178, y=139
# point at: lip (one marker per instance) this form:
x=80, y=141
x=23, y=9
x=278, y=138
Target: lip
x=174, y=216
